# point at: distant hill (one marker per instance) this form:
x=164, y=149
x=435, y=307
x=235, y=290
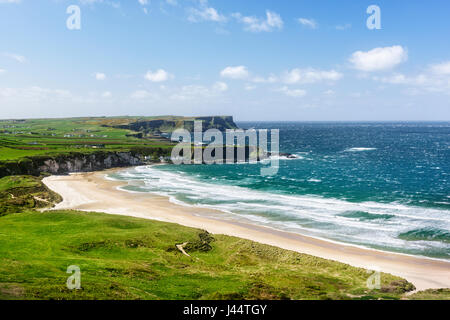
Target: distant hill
x=157, y=125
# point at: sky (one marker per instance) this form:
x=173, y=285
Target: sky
x=257, y=60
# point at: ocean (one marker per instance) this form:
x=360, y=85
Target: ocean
x=378, y=185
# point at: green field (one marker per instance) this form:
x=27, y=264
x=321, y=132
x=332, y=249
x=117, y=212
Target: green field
x=128, y=258
x=27, y=138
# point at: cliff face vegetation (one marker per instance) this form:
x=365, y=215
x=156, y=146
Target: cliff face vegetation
x=169, y=124
x=60, y=146
x=79, y=162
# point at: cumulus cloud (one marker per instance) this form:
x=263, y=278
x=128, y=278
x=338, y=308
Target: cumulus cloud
x=296, y=93
x=271, y=22
x=205, y=13
x=100, y=76
x=158, y=76
x=34, y=94
x=142, y=95
x=343, y=26
x=310, y=76
x=199, y=92
x=220, y=86
x=2, y=71
x=436, y=78
x=310, y=23
x=238, y=72
x=10, y=1
x=378, y=59
x=441, y=68
x=17, y=57
x=114, y=4
x=270, y=79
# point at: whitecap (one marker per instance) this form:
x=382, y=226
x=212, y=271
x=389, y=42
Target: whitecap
x=359, y=149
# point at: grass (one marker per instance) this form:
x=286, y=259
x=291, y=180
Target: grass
x=431, y=294
x=52, y=137
x=129, y=258
x=19, y=193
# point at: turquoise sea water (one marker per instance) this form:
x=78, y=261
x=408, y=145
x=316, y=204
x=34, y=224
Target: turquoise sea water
x=379, y=185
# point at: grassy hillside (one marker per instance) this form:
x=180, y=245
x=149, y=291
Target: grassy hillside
x=25, y=138
x=35, y=137
x=19, y=193
x=127, y=258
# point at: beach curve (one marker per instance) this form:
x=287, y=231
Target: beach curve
x=92, y=192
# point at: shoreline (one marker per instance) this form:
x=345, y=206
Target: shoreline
x=92, y=192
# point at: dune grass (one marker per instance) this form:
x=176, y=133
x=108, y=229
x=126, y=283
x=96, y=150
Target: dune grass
x=128, y=258
x=19, y=193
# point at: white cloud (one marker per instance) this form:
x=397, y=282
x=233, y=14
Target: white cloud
x=329, y=92
x=143, y=2
x=106, y=94
x=158, y=76
x=379, y=58
x=220, y=86
x=270, y=79
x=114, y=4
x=2, y=71
x=343, y=26
x=199, y=92
x=19, y=58
x=205, y=13
x=34, y=94
x=172, y=2
x=10, y=1
x=310, y=76
x=100, y=76
x=142, y=95
x=238, y=72
x=419, y=83
x=441, y=68
x=310, y=23
x=272, y=21
x=296, y=93
x=192, y=92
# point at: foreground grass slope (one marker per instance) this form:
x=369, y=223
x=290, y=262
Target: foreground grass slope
x=127, y=258
x=19, y=193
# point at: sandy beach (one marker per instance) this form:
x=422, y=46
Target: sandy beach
x=92, y=192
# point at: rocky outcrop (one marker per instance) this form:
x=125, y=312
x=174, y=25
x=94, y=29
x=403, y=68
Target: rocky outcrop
x=91, y=162
x=221, y=123
x=71, y=162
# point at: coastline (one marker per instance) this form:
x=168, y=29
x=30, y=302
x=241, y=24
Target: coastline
x=92, y=192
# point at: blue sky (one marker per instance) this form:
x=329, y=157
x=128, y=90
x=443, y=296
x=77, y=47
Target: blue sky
x=253, y=59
